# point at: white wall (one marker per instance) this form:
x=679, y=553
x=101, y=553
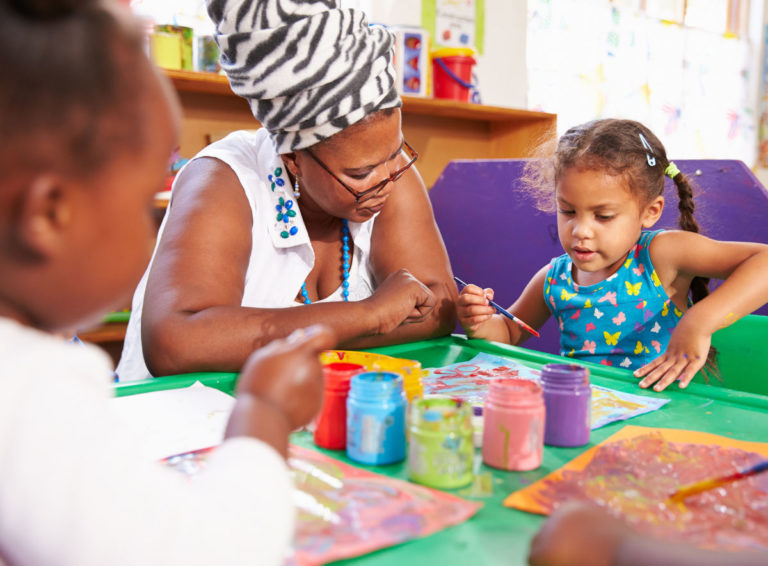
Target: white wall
x=501, y=69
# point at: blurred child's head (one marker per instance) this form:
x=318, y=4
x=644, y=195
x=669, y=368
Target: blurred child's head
x=605, y=178
x=87, y=128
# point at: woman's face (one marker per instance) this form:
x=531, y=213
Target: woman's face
x=362, y=156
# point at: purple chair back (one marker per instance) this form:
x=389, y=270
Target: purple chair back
x=496, y=238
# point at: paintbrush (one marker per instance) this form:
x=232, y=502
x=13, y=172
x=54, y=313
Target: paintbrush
x=505, y=312
x=712, y=483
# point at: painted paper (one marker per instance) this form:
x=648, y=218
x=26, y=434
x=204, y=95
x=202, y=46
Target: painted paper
x=633, y=473
x=344, y=511
x=469, y=381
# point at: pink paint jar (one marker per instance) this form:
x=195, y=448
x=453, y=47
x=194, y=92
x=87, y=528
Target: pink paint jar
x=513, y=431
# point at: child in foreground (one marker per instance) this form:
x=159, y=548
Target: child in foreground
x=88, y=127
x=624, y=296
x=578, y=534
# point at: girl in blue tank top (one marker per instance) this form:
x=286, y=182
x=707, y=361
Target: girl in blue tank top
x=623, y=296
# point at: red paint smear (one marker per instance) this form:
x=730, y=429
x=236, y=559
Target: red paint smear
x=634, y=478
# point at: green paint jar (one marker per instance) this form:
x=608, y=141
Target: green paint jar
x=441, y=449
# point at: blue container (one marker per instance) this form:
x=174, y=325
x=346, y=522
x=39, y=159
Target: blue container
x=376, y=418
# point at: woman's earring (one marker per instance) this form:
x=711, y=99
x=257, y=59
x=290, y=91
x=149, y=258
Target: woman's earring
x=296, y=193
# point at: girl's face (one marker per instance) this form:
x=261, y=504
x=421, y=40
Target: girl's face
x=361, y=158
x=598, y=221
x=115, y=229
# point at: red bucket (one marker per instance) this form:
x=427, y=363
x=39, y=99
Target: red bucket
x=452, y=76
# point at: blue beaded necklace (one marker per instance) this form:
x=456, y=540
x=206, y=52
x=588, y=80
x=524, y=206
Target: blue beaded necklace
x=344, y=266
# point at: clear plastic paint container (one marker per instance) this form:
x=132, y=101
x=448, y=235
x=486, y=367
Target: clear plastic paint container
x=376, y=418
x=568, y=398
x=441, y=450
x=513, y=427
x=331, y=424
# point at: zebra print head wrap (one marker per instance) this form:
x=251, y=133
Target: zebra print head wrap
x=307, y=68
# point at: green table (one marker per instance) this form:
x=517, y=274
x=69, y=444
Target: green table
x=497, y=535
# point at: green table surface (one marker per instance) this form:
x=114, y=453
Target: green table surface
x=496, y=534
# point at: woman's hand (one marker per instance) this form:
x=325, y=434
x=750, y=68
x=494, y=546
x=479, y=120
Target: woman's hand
x=578, y=534
x=685, y=355
x=473, y=308
x=401, y=298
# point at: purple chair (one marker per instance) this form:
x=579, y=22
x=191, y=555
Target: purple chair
x=496, y=238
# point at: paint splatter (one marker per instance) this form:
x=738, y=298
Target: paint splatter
x=633, y=479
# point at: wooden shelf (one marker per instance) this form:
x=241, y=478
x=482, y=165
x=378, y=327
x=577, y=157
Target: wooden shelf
x=440, y=130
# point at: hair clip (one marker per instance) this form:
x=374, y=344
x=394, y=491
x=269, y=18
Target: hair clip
x=648, y=151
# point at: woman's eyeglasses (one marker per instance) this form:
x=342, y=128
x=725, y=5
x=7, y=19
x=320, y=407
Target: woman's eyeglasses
x=362, y=196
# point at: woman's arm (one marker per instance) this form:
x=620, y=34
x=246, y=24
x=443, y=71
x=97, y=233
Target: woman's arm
x=405, y=235
x=192, y=319
x=678, y=257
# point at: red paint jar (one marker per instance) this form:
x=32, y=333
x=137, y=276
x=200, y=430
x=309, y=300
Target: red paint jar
x=331, y=424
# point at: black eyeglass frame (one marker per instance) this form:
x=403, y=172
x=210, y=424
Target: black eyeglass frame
x=374, y=190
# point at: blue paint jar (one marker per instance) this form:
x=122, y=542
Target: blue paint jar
x=376, y=418
x=568, y=401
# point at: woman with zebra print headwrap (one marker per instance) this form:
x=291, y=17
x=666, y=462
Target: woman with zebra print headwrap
x=321, y=210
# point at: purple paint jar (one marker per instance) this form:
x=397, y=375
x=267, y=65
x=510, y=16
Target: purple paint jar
x=568, y=399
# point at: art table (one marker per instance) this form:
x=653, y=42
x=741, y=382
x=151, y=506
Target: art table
x=496, y=534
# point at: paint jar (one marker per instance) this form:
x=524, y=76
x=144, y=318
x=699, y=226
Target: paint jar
x=331, y=424
x=513, y=427
x=568, y=398
x=441, y=451
x=376, y=418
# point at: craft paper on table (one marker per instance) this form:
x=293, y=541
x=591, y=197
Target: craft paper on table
x=469, y=380
x=176, y=420
x=632, y=474
x=344, y=511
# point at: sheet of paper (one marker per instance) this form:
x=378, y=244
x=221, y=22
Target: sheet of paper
x=343, y=511
x=469, y=380
x=632, y=474
x=176, y=420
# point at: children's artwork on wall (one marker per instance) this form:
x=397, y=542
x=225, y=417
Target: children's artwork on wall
x=632, y=474
x=344, y=511
x=469, y=381
x=691, y=85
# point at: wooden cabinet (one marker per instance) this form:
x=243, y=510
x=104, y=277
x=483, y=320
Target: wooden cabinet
x=440, y=130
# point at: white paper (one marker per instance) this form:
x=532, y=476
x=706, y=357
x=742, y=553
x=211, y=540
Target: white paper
x=177, y=420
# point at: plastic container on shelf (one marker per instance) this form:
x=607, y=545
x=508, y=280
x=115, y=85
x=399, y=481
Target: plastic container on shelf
x=452, y=74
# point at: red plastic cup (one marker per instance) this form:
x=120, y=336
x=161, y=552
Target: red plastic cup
x=331, y=424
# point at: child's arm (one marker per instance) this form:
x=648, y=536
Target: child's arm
x=578, y=534
x=678, y=257
x=479, y=320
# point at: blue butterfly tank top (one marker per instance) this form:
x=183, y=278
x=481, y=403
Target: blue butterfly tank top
x=625, y=320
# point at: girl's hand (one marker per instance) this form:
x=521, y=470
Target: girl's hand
x=473, y=308
x=686, y=354
x=287, y=375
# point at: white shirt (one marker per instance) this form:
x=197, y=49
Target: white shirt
x=75, y=490
x=281, y=253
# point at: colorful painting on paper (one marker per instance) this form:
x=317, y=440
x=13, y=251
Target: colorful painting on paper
x=343, y=511
x=469, y=380
x=633, y=473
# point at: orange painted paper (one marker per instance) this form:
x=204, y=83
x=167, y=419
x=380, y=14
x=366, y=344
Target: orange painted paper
x=527, y=499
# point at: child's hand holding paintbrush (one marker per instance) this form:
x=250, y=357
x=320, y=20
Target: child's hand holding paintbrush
x=476, y=310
